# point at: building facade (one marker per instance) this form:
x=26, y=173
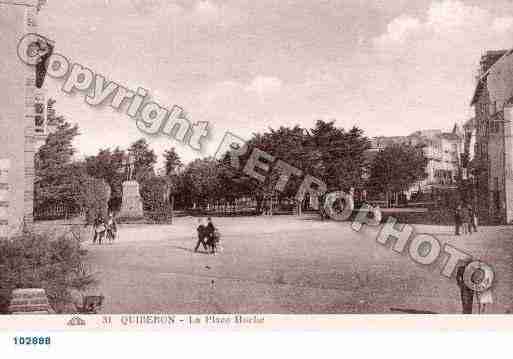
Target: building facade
x=17, y=118
x=492, y=101
x=443, y=151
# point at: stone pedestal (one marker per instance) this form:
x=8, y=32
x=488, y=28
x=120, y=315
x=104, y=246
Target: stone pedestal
x=131, y=205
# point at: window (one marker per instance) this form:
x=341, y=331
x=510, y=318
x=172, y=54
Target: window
x=493, y=108
x=495, y=126
x=484, y=109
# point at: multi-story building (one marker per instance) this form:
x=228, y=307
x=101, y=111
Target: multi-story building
x=21, y=86
x=492, y=101
x=469, y=147
x=443, y=151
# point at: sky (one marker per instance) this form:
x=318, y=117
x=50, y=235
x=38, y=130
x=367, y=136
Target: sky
x=388, y=67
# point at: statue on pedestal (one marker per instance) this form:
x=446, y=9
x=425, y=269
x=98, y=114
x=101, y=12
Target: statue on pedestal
x=131, y=205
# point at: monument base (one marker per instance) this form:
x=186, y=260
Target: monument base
x=131, y=205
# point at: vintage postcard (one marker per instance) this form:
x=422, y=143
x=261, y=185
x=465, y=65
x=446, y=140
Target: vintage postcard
x=221, y=164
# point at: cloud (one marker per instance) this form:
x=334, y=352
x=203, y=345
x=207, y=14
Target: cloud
x=240, y=100
x=451, y=14
x=420, y=72
x=389, y=70
x=448, y=21
x=186, y=13
x=207, y=8
x=264, y=85
x=503, y=25
x=398, y=30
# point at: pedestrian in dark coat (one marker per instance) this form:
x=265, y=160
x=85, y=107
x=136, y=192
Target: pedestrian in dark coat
x=457, y=219
x=465, y=220
x=202, y=234
x=473, y=218
x=467, y=294
x=210, y=233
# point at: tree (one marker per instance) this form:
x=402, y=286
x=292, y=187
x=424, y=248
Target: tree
x=145, y=159
x=341, y=155
x=106, y=165
x=396, y=168
x=155, y=193
x=202, y=181
x=171, y=161
x=56, y=175
x=326, y=152
x=288, y=144
x=94, y=197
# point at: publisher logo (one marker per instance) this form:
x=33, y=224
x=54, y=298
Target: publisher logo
x=76, y=321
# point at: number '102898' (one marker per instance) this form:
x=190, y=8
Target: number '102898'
x=32, y=340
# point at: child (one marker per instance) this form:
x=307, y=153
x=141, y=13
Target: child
x=99, y=230
x=211, y=237
x=217, y=240
x=484, y=298
x=112, y=228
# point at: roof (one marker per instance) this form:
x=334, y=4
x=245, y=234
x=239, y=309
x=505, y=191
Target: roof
x=421, y=137
x=477, y=91
x=449, y=136
x=470, y=123
x=427, y=133
x=500, y=54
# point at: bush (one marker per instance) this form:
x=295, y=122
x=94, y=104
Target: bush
x=38, y=261
x=154, y=192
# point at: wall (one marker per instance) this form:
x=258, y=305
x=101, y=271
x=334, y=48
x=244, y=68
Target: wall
x=508, y=156
x=496, y=173
x=482, y=178
x=16, y=112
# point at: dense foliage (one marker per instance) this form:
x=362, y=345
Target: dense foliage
x=396, y=168
x=56, y=175
x=39, y=261
x=327, y=152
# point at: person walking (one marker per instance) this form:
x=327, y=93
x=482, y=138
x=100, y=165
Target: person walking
x=467, y=294
x=469, y=216
x=202, y=229
x=485, y=298
x=210, y=233
x=465, y=220
x=99, y=230
x=473, y=217
x=112, y=228
x=457, y=219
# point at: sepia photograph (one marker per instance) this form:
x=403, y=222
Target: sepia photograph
x=217, y=161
